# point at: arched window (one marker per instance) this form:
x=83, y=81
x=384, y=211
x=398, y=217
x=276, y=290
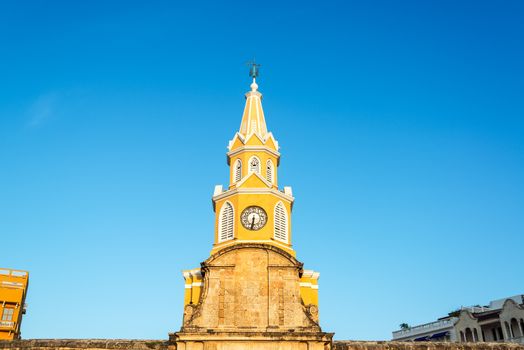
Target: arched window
x=469, y=335
x=254, y=165
x=238, y=170
x=225, y=225
x=508, y=330
x=281, y=223
x=269, y=171
x=515, y=331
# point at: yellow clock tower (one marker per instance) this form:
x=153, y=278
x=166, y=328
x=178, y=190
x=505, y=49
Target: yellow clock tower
x=252, y=208
x=251, y=292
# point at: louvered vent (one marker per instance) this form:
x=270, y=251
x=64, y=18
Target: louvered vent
x=254, y=165
x=238, y=170
x=269, y=171
x=226, y=223
x=280, y=222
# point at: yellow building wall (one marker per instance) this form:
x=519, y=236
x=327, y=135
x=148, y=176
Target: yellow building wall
x=13, y=290
x=241, y=201
x=309, y=287
x=193, y=286
x=244, y=157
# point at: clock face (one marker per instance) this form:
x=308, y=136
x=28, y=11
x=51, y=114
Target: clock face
x=253, y=218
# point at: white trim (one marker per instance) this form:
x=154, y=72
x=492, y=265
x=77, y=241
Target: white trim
x=196, y=272
x=253, y=93
x=270, y=168
x=13, y=284
x=316, y=275
x=218, y=190
x=245, y=139
x=259, y=137
x=268, y=184
x=187, y=286
x=235, y=171
x=308, y=285
x=259, y=112
x=198, y=284
x=249, y=170
x=270, y=241
x=253, y=148
x=270, y=135
x=239, y=136
x=192, y=273
x=245, y=114
x=237, y=190
x=307, y=273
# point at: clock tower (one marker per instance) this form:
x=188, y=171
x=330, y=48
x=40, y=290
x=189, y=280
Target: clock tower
x=252, y=208
x=251, y=292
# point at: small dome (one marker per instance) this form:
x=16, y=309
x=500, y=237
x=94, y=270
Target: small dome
x=254, y=86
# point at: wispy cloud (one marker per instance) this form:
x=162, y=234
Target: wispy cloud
x=42, y=109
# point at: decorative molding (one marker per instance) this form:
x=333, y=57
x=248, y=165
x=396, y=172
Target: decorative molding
x=271, y=190
x=245, y=148
x=261, y=241
x=218, y=190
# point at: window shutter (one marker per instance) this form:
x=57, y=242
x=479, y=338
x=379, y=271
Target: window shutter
x=254, y=165
x=269, y=171
x=280, y=222
x=226, y=222
x=238, y=170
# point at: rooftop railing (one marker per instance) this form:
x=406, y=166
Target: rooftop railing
x=14, y=273
x=519, y=340
x=424, y=328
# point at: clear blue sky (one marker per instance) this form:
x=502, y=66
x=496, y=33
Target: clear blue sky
x=401, y=127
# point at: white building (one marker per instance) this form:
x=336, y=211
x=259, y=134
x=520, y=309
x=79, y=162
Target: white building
x=501, y=321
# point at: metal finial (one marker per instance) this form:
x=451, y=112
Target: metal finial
x=253, y=68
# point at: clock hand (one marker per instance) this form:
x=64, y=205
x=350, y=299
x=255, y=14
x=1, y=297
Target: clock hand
x=253, y=222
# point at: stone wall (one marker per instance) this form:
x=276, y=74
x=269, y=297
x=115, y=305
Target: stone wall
x=391, y=345
x=250, y=287
x=92, y=344
x=119, y=344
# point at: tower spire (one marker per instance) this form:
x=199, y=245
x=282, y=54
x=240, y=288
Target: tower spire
x=253, y=121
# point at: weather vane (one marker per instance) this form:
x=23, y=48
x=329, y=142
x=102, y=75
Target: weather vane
x=253, y=68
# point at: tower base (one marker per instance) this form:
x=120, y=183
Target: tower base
x=250, y=341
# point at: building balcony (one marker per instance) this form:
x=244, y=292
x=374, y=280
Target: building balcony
x=518, y=340
x=424, y=328
x=7, y=325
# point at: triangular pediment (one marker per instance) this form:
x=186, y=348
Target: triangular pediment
x=254, y=140
x=271, y=142
x=253, y=180
x=236, y=142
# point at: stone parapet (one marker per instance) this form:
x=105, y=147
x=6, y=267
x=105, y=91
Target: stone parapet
x=124, y=344
x=393, y=345
x=251, y=340
x=87, y=344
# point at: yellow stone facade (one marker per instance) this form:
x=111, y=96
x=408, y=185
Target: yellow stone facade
x=252, y=286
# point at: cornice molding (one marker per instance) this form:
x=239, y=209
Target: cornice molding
x=252, y=149
x=234, y=191
x=253, y=244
